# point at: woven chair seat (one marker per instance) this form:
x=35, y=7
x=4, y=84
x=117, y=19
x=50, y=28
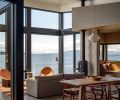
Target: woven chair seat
x=113, y=92
x=115, y=96
x=72, y=89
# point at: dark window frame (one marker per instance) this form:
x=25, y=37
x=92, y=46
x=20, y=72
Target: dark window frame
x=28, y=30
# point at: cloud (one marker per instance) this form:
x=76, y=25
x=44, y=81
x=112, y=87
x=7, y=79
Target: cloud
x=114, y=48
x=2, y=46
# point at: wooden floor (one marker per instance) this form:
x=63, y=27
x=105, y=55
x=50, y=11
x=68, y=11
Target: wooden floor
x=5, y=95
x=50, y=98
x=27, y=97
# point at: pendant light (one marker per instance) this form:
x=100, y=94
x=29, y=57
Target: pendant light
x=94, y=37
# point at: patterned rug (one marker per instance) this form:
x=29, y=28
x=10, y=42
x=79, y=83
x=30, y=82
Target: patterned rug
x=7, y=90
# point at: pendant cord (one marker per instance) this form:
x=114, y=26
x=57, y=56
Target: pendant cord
x=94, y=16
x=92, y=3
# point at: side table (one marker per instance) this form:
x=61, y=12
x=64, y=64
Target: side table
x=29, y=74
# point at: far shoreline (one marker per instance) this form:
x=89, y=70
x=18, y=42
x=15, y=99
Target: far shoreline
x=2, y=53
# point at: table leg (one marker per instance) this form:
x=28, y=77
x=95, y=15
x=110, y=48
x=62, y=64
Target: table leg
x=81, y=93
x=109, y=92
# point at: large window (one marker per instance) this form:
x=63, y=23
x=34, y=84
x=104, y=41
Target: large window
x=2, y=50
x=45, y=19
x=68, y=54
x=44, y=53
x=77, y=48
x=101, y=53
x=2, y=19
x=67, y=20
x=114, y=52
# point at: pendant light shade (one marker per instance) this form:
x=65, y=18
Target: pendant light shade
x=94, y=37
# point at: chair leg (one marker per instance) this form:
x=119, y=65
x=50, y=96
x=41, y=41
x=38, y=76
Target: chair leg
x=95, y=97
x=73, y=97
x=63, y=96
x=106, y=96
x=109, y=92
x=70, y=97
x=102, y=92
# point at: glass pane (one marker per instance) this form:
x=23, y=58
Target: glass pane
x=44, y=53
x=77, y=48
x=44, y=19
x=68, y=54
x=114, y=52
x=24, y=16
x=100, y=52
x=2, y=51
x=24, y=41
x=67, y=20
x=2, y=19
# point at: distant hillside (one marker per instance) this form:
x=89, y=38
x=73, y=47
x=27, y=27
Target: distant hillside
x=113, y=52
x=70, y=52
x=2, y=53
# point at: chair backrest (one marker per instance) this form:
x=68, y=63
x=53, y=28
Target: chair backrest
x=47, y=71
x=5, y=74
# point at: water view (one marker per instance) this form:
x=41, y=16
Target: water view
x=41, y=60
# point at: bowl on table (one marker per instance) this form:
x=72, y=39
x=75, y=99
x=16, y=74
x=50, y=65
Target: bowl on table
x=97, y=78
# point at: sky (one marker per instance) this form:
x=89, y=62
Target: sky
x=49, y=44
x=40, y=43
x=2, y=19
x=114, y=48
x=44, y=19
x=44, y=44
x=2, y=41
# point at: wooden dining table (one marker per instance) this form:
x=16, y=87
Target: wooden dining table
x=82, y=83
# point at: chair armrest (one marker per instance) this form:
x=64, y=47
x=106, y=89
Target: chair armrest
x=32, y=87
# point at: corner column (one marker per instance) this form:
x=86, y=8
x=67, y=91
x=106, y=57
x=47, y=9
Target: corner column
x=17, y=50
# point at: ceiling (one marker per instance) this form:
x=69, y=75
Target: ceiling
x=58, y=2
x=110, y=29
x=61, y=2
